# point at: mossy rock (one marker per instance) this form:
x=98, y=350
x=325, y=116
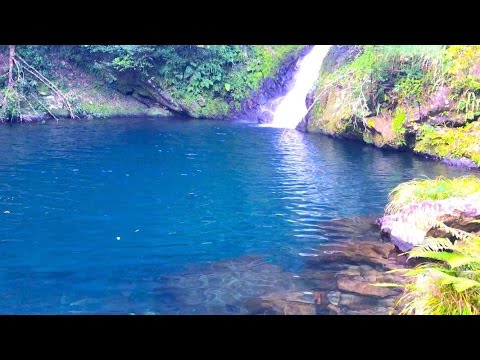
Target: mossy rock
x=333, y=118
x=383, y=134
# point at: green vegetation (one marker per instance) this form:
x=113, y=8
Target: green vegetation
x=202, y=80
x=422, y=89
x=400, y=116
x=447, y=281
x=211, y=79
x=430, y=189
x=449, y=286
x=443, y=142
x=382, y=76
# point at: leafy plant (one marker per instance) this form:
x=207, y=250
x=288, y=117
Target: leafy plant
x=449, y=286
x=410, y=87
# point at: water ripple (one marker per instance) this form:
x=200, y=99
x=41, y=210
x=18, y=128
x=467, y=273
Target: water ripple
x=198, y=192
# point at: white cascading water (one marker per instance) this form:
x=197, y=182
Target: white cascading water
x=292, y=108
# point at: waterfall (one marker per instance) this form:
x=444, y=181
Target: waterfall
x=292, y=108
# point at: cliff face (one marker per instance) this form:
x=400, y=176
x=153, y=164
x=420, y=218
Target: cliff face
x=421, y=98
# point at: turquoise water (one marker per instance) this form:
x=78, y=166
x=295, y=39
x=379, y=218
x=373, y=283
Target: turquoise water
x=126, y=216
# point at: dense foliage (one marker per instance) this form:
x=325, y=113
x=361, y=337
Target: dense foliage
x=208, y=80
x=214, y=77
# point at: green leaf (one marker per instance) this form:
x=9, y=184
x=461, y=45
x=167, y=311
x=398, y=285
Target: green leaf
x=465, y=284
x=452, y=259
x=461, y=260
x=459, y=283
x=227, y=86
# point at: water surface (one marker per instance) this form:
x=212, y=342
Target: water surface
x=108, y=216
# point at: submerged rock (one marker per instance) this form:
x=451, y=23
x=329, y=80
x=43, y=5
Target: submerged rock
x=285, y=303
x=340, y=255
x=229, y=286
x=351, y=228
x=365, y=286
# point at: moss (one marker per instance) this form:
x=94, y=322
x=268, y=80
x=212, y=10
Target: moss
x=398, y=121
x=463, y=142
x=378, y=140
x=335, y=117
x=367, y=137
x=100, y=103
x=271, y=56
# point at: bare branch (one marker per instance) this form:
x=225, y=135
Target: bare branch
x=48, y=83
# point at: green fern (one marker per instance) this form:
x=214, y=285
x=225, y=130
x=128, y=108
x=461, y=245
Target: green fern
x=451, y=285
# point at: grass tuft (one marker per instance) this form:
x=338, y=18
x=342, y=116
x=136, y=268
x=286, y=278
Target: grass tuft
x=431, y=189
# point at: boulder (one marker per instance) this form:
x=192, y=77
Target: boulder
x=412, y=223
x=381, y=132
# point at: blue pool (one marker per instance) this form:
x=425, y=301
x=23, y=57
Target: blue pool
x=175, y=216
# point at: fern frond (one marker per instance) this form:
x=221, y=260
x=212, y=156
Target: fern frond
x=433, y=244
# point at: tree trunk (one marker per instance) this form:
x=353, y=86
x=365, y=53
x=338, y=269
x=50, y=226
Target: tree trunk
x=11, y=57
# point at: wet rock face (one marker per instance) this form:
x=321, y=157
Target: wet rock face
x=439, y=109
x=409, y=226
x=462, y=162
x=339, y=55
x=271, y=88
